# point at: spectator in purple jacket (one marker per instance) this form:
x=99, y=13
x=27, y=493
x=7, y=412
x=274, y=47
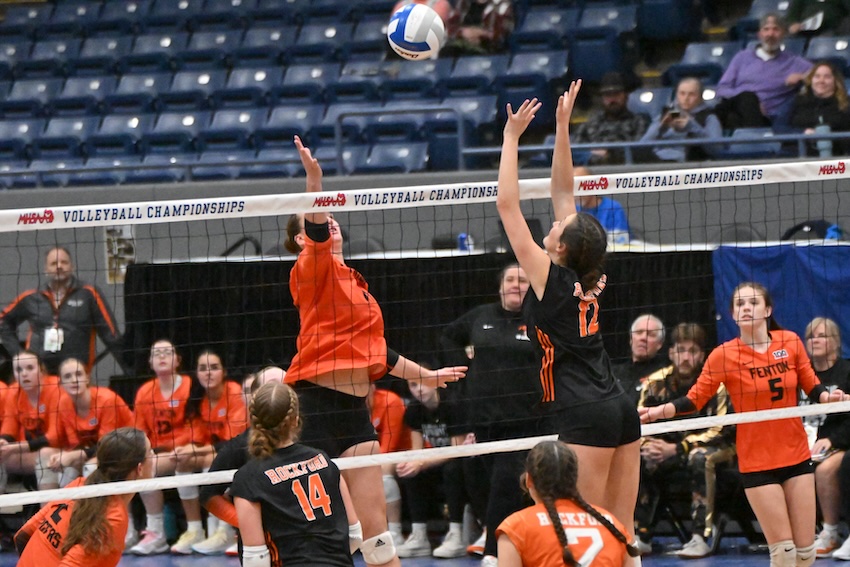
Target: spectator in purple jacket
x=759, y=86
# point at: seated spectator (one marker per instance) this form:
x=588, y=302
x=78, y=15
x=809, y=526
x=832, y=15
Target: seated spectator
x=823, y=101
x=614, y=123
x=645, y=339
x=758, y=87
x=606, y=210
x=687, y=118
x=813, y=17
x=478, y=27
x=823, y=343
x=696, y=452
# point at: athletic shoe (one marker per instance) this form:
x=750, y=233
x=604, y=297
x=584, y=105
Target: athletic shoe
x=477, y=547
x=232, y=551
x=217, y=543
x=826, y=543
x=417, y=545
x=489, y=561
x=843, y=552
x=186, y=541
x=152, y=543
x=398, y=538
x=694, y=549
x=452, y=546
x=131, y=539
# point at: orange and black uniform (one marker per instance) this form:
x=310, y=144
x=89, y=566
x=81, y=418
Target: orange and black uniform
x=228, y=418
x=575, y=371
x=760, y=381
x=342, y=328
x=40, y=540
x=388, y=419
x=106, y=413
x=164, y=419
x=592, y=544
x=37, y=425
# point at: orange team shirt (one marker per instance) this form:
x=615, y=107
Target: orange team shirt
x=761, y=381
x=388, y=418
x=107, y=412
x=342, y=327
x=228, y=418
x=49, y=526
x=164, y=419
x=592, y=544
x=24, y=422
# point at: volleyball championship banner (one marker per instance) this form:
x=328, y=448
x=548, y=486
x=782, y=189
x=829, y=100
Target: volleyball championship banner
x=182, y=210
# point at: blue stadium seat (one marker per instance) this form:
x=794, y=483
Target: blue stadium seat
x=22, y=20
x=64, y=137
x=669, y=19
x=604, y=35
x=221, y=165
x=16, y=135
x=232, y=130
x=49, y=171
x=793, y=44
x=472, y=75
x=169, y=15
x=192, y=89
x=306, y=83
x=395, y=157
x=155, y=52
x=175, y=132
x=352, y=157
x=83, y=95
x=544, y=28
x=368, y=42
x=749, y=24
x=209, y=49
x=122, y=17
x=289, y=166
x=532, y=74
x=287, y=121
x=234, y=9
x=478, y=114
x=113, y=171
x=327, y=11
x=265, y=45
x=401, y=121
x=119, y=134
x=404, y=81
x=351, y=126
x=8, y=170
x=71, y=18
x=757, y=147
x=30, y=97
x=358, y=81
x=248, y=86
x=49, y=57
x=13, y=50
x=100, y=55
x=650, y=101
x=319, y=42
x=219, y=15
x=163, y=168
x=833, y=49
x=707, y=61
x=371, y=10
x=138, y=93
x=276, y=12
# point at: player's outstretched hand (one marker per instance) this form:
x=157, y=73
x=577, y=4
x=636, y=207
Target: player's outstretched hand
x=518, y=121
x=311, y=166
x=440, y=377
x=566, y=103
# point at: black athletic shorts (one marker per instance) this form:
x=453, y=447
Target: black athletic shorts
x=609, y=423
x=332, y=421
x=776, y=476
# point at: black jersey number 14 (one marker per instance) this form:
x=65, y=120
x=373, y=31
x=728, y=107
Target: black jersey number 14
x=315, y=497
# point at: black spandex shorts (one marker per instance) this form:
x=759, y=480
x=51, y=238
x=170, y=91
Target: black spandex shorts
x=609, y=423
x=776, y=476
x=332, y=421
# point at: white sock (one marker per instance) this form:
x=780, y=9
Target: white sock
x=194, y=526
x=394, y=527
x=455, y=528
x=831, y=529
x=212, y=524
x=156, y=523
x=420, y=529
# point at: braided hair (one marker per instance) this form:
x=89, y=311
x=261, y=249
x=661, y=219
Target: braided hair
x=586, y=243
x=275, y=419
x=553, y=468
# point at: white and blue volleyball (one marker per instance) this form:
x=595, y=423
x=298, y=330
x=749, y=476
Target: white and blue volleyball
x=416, y=32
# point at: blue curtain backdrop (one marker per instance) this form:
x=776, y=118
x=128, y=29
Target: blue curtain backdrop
x=804, y=281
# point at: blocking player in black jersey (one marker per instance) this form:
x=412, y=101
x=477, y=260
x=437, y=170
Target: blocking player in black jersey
x=290, y=499
x=590, y=411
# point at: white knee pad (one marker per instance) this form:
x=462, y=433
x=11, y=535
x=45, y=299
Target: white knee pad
x=43, y=474
x=783, y=554
x=806, y=556
x=256, y=556
x=69, y=474
x=379, y=549
x=187, y=492
x=89, y=468
x=391, y=489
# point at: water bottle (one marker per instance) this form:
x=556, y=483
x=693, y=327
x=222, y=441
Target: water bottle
x=824, y=146
x=465, y=242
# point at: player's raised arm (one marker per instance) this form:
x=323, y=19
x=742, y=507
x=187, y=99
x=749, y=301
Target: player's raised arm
x=561, y=185
x=314, y=178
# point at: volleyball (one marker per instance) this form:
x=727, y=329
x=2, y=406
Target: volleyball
x=416, y=32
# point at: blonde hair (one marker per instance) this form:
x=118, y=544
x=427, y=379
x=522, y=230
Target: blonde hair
x=838, y=78
x=275, y=419
x=831, y=328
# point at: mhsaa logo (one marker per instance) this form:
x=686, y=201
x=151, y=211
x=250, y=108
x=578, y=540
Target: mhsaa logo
x=832, y=169
x=34, y=218
x=780, y=354
x=328, y=201
x=589, y=185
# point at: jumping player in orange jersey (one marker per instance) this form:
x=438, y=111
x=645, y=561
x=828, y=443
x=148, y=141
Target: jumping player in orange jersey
x=764, y=369
x=86, y=414
x=89, y=532
x=341, y=350
x=561, y=528
x=590, y=411
x=291, y=501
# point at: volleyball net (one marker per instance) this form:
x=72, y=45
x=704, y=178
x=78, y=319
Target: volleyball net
x=211, y=273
